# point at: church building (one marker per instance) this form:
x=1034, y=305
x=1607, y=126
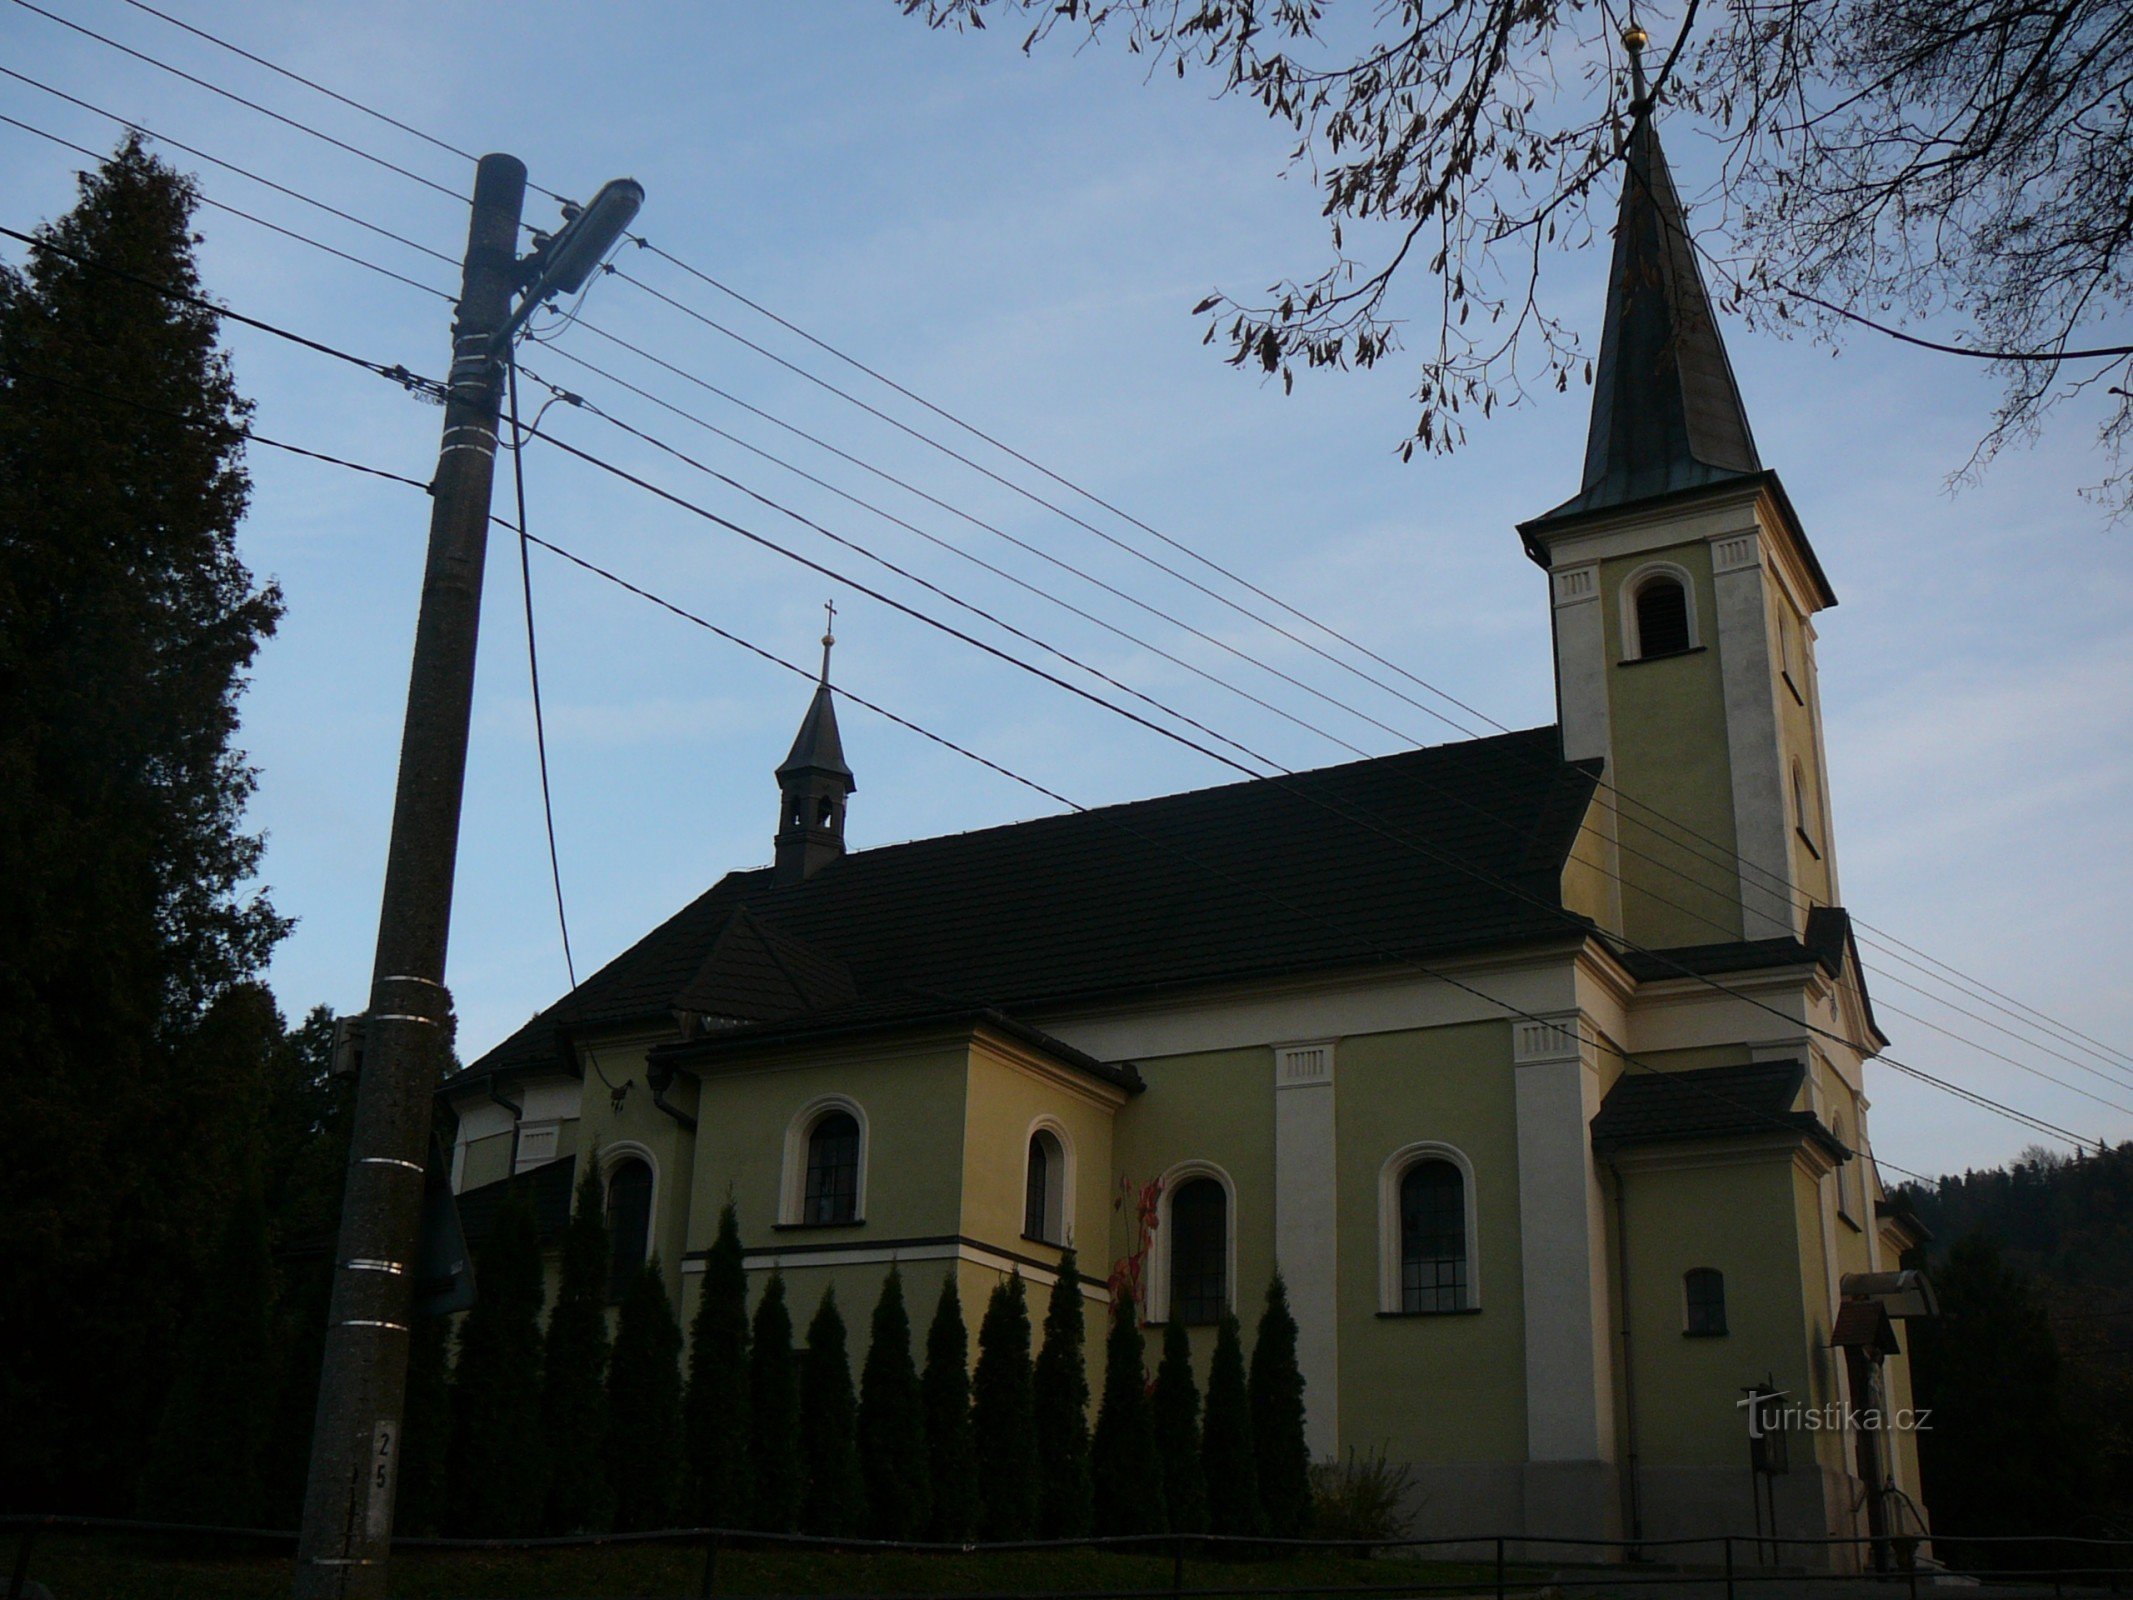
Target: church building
x=1534, y=1063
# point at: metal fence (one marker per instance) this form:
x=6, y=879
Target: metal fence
x=1504, y=1563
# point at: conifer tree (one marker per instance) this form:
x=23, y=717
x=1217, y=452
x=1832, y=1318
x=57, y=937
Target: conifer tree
x=1001, y=1417
x=1278, y=1448
x=204, y=1462
x=644, y=1406
x=892, y=1424
x=715, y=1412
x=1231, y=1475
x=1176, y=1407
x=1123, y=1458
x=425, y=1429
x=773, y=1415
x=574, y=1370
x=833, y=1500
x=493, y=1465
x=951, y=1447
x=128, y=1025
x=1060, y=1405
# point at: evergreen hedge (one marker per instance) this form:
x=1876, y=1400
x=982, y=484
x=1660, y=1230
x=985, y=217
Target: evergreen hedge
x=1129, y=1473
x=951, y=1446
x=892, y=1423
x=833, y=1499
x=644, y=1406
x=1002, y=1417
x=715, y=1410
x=493, y=1465
x=1059, y=1389
x=773, y=1415
x=1230, y=1474
x=574, y=1371
x=425, y=1428
x=1278, y=1448
x=1175, y=1404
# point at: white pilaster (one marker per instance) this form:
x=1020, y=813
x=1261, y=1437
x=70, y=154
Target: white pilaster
x=1305, y=1201
x=1562, y=1221
x=1750, y=677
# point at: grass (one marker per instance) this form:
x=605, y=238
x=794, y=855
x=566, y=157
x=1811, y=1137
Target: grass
x=112, y=1567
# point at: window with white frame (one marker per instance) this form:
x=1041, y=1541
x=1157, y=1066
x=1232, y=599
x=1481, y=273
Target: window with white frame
x=629, y=1223
x=1044, y=1189
x=825, y=1177
x=1427, y=1237
x=1658, y=612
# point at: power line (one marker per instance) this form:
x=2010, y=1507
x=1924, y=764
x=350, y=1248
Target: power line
x=1976, y=1098
x=400, y=374
x=272, y=227
x=2065, y=1032
x=533, y=667
x=253, y=105
x=229, y=166
x=1107, y=814
x=1623, y=845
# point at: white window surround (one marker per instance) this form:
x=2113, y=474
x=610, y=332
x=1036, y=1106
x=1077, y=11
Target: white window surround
x=792, y=1187
x=1155, y=1271
x=1633, y=585
x=1389, y=1175
x=1059, y=1204
x=610, y=1156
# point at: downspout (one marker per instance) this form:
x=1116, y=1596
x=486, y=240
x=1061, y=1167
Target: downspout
x=661, y=1080
x=517, y=1111
x=1629, y=1365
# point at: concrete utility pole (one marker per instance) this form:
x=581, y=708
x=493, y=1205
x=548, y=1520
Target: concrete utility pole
x=348, y=1503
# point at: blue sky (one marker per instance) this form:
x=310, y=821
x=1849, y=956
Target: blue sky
x=1020, y=239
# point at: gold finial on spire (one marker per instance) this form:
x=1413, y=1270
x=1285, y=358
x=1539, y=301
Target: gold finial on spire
x=829, y=636
x=1634, y=40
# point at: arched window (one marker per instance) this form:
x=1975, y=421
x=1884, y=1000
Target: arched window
x=629, y=1223
x=1199, y=1251
x=1044, y=1189
x=832, y=1192
x=1662, y=617
x=1703, y=1301
x=1433, y=1237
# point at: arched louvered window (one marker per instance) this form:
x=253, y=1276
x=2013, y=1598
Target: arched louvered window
x=1433, y=1265
x=1199, y=1251
x=1662, y=617
x=832, y=1193
x=1044, y=1189
x=629, y=1223
x=1703, y=1302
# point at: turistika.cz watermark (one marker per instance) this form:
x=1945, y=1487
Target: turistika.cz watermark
x=1770, y=1413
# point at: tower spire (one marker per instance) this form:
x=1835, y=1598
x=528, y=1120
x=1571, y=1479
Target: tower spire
x=814, y=783
x=1666, y=411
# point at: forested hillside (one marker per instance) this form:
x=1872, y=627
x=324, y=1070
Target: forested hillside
x=2030, y=1369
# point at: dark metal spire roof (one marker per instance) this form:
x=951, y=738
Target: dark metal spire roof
x=818, y=747
x=1666, y=412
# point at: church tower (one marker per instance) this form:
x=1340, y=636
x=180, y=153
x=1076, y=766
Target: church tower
x=1684, y=591
x=814, y=785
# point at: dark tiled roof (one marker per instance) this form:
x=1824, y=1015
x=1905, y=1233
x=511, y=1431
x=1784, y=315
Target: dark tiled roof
x=818, y=747
x=1827, y=943
x=1647, y=1106
x=546, y=1188
x=1666, y=412
x=757, y=973
x=1456, y=847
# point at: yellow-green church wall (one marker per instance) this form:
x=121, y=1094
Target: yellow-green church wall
x=1818, y=1362
x=1215, y=1106
x=1445, y=1387
x=912, y=1099
x=1009, y=1092
x=1662, y=714
x=1736, y=1216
